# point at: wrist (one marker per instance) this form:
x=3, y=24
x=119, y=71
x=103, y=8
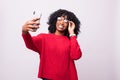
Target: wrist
x=72, y=35
x=71, y=32
x=24, y=32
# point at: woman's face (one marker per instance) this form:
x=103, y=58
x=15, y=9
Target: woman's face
x=62, y=23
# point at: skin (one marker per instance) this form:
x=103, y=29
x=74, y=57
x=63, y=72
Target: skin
x=33, y=25
x=30, y=25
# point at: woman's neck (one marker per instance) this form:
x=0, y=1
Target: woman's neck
x=59, y=33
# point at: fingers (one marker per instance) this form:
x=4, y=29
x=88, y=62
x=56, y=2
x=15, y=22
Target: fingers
x=31, y=25
x=33, y=22
x=32, y=29
x=35, y=19
x=71, y=27
x=71, y=23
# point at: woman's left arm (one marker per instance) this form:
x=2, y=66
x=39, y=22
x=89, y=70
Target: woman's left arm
x=75, y=50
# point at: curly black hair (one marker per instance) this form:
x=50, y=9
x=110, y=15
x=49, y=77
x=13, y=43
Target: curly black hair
x=70, y=16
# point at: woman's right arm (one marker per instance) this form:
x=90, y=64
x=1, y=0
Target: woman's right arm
x=31, y=25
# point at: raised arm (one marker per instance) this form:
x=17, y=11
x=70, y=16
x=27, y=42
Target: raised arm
x=31, y=25
x=75, y=51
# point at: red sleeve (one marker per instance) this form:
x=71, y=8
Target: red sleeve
x=31, y=42
x=75, y=51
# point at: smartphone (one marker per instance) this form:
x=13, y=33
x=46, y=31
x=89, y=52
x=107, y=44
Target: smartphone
x=36, y=15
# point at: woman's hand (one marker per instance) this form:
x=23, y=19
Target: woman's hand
x=71, y=27
x=31, y=25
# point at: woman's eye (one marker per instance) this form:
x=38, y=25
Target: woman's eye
x=59, y=18
x=65, y=20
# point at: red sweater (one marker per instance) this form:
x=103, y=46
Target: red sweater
x=57, y=54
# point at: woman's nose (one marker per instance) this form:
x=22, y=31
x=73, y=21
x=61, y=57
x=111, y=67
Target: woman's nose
x=62, y=21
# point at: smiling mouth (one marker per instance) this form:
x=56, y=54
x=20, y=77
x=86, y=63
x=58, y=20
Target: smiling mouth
x=60, y=26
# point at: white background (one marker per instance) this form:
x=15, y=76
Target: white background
x=99, y=37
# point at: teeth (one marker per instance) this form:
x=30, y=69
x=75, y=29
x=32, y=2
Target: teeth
x=60, y=26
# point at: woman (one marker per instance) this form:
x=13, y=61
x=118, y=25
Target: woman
x=57, y=49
